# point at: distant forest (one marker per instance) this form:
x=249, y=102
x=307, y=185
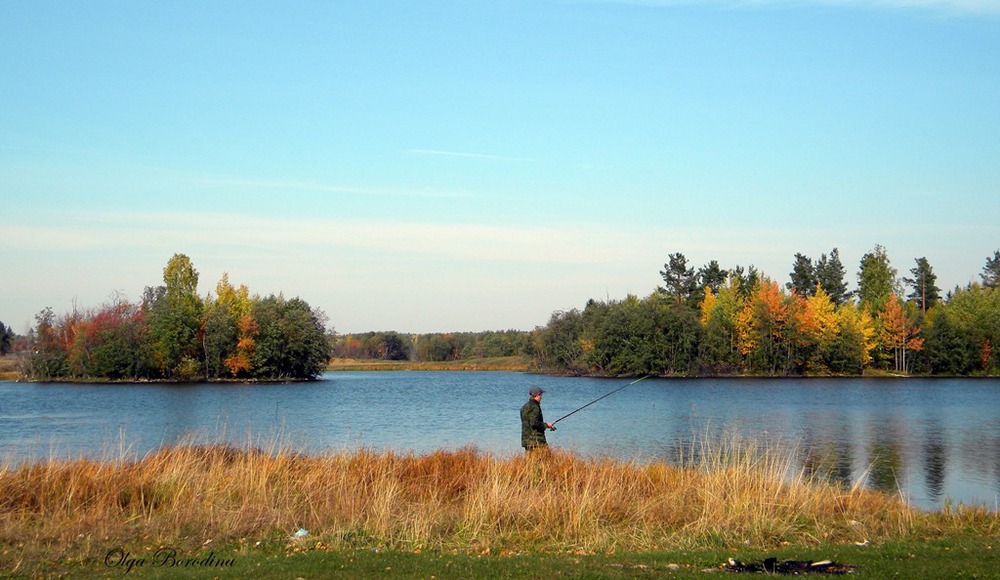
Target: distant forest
x=712, y=321
x=707, y=321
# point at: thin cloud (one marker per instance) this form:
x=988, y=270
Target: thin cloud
x=954, y=6
x=337, y=189
x=969, y=7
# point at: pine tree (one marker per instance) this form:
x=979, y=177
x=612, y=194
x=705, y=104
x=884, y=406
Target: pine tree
x=680, y=282
x=712, y=276
x=991, y=271
x=830, y=274
x=803, y=276
x=925, y=293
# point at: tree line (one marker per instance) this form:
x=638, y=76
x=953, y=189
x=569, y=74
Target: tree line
x=709, y=321
x=712, y=321
x=174, y=334
x=432, y=347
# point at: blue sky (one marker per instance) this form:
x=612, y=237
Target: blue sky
x=462, y=166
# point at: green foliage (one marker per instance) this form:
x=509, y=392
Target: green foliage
x=925, y=293
x=174, y=315
x=830, y=276
x=432, y=347
x=679, y=281
x=50, y=358
x=876, y=279
x=219, y=339
x=558, y=346
x=947, y=349
x=746, y=281
x=803, y=276
x=677, y=339
x=291, y=343
x=7, y=337
x=712, y=276
x=441, y=347
x=622, y=341
x=991, y=271
x=976, y=312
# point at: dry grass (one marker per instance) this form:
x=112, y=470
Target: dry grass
x=9, y=370
x=728, y=494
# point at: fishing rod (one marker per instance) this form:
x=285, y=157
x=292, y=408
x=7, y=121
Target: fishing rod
x=597, y=399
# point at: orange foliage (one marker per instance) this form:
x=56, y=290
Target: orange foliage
x=899, y=332
x=241, y=361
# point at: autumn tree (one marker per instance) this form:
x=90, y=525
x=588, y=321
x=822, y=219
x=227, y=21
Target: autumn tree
x=720, y=312
x=851, y=349
x=218, y=332
x=762, y=324
x=707, y=306
x=50, y=355
x=899, y=333
x=228, y=331
x=925, y=292
x=817, y=328
x=110, y=342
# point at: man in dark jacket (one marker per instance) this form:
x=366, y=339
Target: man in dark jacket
x=533, y=426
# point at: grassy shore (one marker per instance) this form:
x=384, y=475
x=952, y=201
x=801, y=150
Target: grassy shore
x=8, y=368
x=358, y=509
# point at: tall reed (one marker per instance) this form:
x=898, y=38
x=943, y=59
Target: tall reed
x=727, y=493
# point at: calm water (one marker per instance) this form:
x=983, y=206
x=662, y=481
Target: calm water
x=930, y=440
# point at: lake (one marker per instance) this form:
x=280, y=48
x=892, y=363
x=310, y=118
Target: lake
x=931, y=440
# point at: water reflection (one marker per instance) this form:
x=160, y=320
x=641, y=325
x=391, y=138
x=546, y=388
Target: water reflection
x=935, y=464
x=826, y=453
x=886, y=456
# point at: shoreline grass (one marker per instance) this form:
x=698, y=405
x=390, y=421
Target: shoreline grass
x=9, y=370
x=726, y=494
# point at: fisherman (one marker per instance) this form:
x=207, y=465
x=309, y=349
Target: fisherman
x=532, y=425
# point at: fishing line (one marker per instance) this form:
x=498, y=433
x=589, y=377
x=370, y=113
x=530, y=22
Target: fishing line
x=598, y=399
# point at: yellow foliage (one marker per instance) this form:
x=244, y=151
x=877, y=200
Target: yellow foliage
x=707, y=305
x=859, y=319
x=823, y=315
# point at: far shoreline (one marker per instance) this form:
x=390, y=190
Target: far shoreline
x=506, y=363
x=520, y=364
